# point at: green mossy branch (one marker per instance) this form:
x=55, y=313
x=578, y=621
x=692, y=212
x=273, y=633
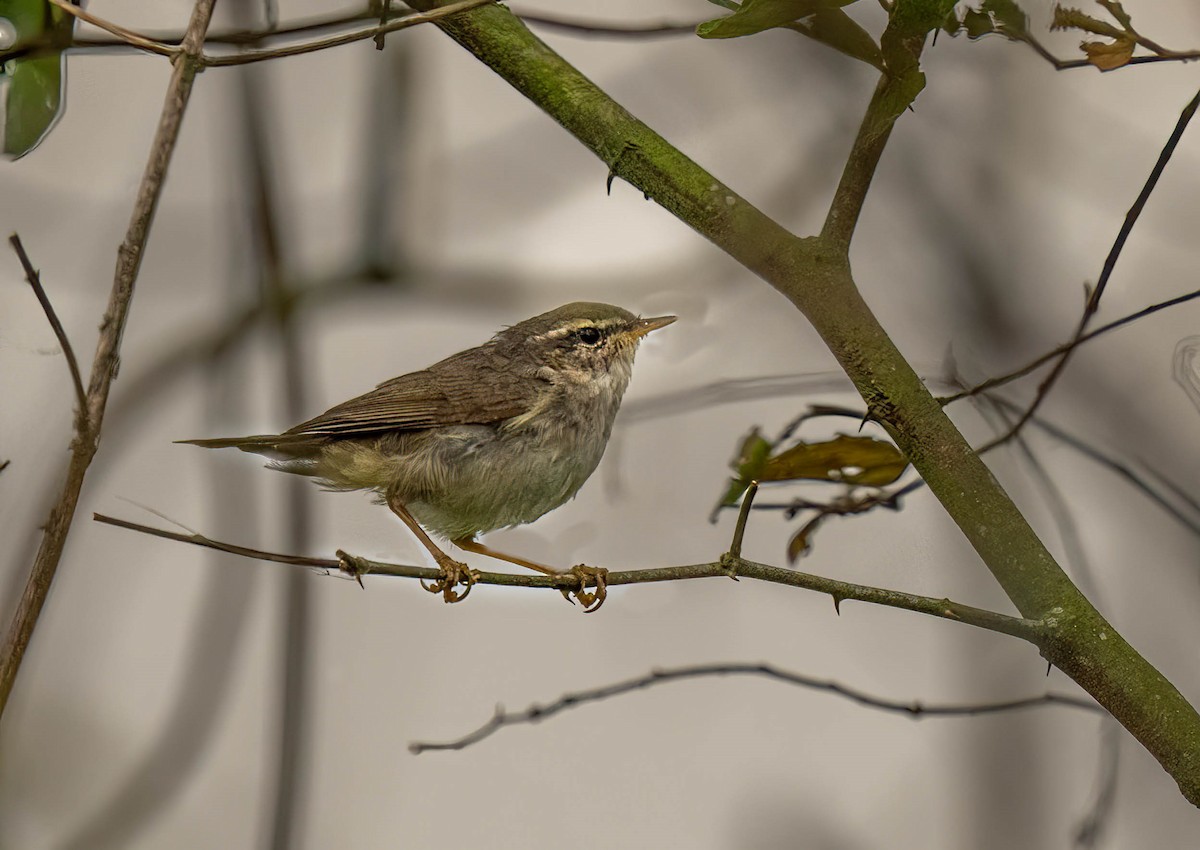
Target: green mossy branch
x=814, y=274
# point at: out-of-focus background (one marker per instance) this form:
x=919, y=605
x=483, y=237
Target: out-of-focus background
x=419, y=205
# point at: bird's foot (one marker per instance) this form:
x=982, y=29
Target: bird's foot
x=453, y=573
x=596, y=576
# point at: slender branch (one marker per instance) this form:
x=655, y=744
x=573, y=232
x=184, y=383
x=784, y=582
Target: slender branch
x=104, y=366
x=1110, y=262
x=35, y=281
x=128, y=36
x=1028, y=630
x=739, y=530
x=1001, y=380
x=249, y=56
x=141, y=42
x=916, y=710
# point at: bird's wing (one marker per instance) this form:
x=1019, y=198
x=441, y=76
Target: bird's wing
x=486, y=392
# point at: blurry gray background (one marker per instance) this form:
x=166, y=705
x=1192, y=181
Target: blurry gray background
x=429, y=205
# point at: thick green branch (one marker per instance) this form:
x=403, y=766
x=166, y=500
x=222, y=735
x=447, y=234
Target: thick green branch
x=814, y=274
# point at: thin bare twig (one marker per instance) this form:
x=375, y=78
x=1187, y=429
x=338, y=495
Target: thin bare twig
x=128, y=36
x=915, y=710
x=245, y=57
x=104, y=366
x=1110, y=262
x=1028, y=630
x=35, y=281
x=1001, y=380
x=249, y=56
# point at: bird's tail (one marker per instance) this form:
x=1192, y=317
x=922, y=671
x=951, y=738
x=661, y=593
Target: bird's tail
x=272, y=445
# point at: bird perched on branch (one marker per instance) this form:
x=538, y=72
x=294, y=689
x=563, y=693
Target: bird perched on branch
x=491, y=437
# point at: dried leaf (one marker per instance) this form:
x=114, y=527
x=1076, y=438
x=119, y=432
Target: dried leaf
x=800, y=544
x=1109, y=55
x=1117, y=11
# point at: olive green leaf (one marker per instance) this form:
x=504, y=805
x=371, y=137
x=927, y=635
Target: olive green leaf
x=751, y=457
x=1002, y=17
x=859, y=461
x=34, y=33
x=754, y=16
x=838, y=30
x=820, y=20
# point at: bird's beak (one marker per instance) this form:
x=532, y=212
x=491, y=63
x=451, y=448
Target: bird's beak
x=643, y=326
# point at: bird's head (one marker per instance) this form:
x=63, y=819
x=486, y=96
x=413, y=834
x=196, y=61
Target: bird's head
x=583, y=342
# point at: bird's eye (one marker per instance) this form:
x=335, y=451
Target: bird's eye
x=589, y=335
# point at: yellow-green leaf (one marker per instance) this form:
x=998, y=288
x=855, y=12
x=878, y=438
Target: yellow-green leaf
x=754, y=16
x=862, y=461
x=841, y=32
x=31, y=83
x=752, y=455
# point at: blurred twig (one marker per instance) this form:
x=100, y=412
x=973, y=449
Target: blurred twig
x=1066, y=347
x=915, y=709
x=296, y=641
x=1110, y=262
x=104, y=367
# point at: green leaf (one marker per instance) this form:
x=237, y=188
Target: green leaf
x=754, y=16
x=841, y=32
x=33, y=102
x=1009, y=17
x=748, y=464
x=32, y=83
x=977, y=23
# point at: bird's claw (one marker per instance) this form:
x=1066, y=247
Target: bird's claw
x=597, y=576
x=453, y=573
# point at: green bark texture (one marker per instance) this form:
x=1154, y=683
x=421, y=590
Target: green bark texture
x=814, y=274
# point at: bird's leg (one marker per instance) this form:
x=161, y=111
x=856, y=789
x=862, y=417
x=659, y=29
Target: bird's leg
x=597, y=575
x=453, y=572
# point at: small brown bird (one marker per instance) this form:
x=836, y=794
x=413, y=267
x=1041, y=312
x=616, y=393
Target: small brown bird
x=491, y=437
